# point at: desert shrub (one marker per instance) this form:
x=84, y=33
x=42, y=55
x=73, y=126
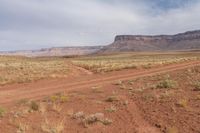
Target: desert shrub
x=118, y=82
x=2, y=111
x=34, y=106
x=149, y=97
x=197, y=86
x=22, y=128
x=111, y=109
x=78, y=115
x=106, y=121
x=54, y=98
x=59, y=98
x=23, y=102
x=182, y=103
x=167, y=84
x=87, y=120
x=64, y=98
x=57, y=107
x=112, y=99
x=53, y=127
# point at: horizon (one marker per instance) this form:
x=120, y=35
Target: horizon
x=35, y=24
x=71, y=46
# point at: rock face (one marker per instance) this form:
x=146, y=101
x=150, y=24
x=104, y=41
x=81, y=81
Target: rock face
x=125, y=43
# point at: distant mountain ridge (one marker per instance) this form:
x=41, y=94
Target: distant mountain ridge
x=56, y=51
x=125, y=43
x=183, y=41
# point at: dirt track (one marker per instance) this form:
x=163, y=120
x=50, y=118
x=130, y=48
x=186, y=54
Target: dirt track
x=12, y=93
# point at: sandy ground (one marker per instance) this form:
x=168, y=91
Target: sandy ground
x=136, y=107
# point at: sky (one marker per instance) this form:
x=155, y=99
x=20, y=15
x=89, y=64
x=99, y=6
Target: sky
x=35, y=24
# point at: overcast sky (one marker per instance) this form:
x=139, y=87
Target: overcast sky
x=35, y=24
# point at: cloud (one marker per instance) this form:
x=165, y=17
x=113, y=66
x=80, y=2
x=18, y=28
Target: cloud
x=32, y=24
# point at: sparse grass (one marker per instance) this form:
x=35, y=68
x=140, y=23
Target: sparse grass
x=2, y=111
x=167, y=84
x=182, y=103
x=139, y=90
x=22, y=128
x=23, y=101
x=91, y=119
x=147, y=66
x=149, y=97
x=64, y=98
x=21, y=69
x=130, y=82
x=59, y=98
x=54, y=98
x=43, y=108
x=116, y=62
x=166, y=95
x=52, y=127
x=123, y=87
x=57, y=107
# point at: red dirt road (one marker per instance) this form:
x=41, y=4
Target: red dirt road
x=12, y=93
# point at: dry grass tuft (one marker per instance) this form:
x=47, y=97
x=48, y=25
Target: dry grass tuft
x=59, y=98
x=2, y=111
x=197, y=86
x=52, y=127
x=57, y=107
x=182, y=103
x=34, y=106
x=22, y=128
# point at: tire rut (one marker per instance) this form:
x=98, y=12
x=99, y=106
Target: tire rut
x=39, y=92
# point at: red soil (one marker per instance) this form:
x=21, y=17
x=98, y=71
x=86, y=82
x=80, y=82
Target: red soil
x=137, y=110
x=40, y=89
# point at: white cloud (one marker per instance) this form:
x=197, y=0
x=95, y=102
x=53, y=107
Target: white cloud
x=27, y=24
